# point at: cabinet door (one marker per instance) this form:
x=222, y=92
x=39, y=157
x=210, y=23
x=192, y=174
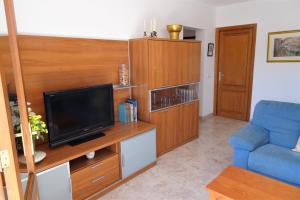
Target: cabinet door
x=167, y=124
x=54, y=183
x=138, y=152
x=190, y=120
x=187, y=65
x=158, y=64
x=193, y=63
x=173, y=63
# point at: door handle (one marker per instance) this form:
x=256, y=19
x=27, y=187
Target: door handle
x=220, y=76
x=97, y=179
x=96, y=165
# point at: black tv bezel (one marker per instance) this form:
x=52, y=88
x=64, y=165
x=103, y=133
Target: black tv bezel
x=55, y=141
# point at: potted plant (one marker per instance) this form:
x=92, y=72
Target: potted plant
x=38, y=130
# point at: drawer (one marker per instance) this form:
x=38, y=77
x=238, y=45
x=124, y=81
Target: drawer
x=98, y=169
x=97, y=183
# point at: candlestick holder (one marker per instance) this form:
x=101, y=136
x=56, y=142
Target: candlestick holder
x=153, y=34
x=145, y=34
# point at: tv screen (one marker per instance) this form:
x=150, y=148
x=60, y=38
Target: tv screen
x=75, y=114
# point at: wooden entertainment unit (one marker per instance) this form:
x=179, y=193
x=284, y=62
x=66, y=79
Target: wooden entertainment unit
x=118, y=157
x=159, y=66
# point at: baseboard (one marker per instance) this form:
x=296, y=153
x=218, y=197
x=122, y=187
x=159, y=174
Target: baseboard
x=206, y=116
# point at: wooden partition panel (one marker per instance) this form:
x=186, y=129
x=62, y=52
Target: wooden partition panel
x=5, y=63
x=57, y=63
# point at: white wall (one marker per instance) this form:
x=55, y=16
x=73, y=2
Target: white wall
x=115, y=19
x=273, y=81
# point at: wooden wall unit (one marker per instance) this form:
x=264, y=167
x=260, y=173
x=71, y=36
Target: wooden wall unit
x=157, y=63
x=57, y=63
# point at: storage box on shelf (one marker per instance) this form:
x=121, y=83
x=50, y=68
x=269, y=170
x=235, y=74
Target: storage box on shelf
x=166, y=74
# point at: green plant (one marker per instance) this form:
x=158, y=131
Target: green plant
x=37, y=125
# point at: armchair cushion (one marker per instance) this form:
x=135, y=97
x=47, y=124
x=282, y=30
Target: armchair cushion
x=249, y=138
x=277, y=162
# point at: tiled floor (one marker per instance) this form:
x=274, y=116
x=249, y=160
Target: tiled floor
x=184, y=172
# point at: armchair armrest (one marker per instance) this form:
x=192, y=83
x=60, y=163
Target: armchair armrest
x=249, y=138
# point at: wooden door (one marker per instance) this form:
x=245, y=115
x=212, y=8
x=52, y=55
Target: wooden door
x=234, y=71
x=167, y=125
x=193, y=66
x=189, y=122
x=158, y=60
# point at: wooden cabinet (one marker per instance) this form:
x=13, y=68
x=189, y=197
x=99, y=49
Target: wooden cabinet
x=159, y=63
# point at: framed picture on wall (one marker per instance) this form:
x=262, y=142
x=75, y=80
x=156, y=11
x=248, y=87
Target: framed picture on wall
x=210, y=49
x=284, y=46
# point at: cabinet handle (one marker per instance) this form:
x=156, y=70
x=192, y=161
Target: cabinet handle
x=96, y=165
x=220, y=76
x=95, y=180
x=122, y=160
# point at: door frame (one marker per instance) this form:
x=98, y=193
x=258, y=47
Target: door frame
x=216, y=82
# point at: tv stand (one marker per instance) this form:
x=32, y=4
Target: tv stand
x=124, y=152
x=86, y=139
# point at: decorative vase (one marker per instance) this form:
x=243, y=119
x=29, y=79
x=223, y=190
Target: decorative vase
x=124, y=75
x=174, y=31
x=38, y=155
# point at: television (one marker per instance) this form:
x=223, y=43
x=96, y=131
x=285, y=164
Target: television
x=78, y=115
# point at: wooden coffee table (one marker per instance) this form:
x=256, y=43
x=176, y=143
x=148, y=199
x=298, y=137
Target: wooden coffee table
x=239, y=184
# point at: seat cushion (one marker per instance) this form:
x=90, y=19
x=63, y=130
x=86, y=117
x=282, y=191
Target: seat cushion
x=277, y=162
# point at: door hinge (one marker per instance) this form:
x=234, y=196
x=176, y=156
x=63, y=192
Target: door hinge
x=4, y=160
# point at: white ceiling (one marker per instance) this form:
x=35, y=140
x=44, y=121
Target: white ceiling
x=223, y=2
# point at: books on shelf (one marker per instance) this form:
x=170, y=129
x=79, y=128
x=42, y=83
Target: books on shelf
x=128, y=111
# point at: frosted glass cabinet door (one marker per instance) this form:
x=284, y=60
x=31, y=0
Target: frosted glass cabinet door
x=138, y=152
x=53, y=184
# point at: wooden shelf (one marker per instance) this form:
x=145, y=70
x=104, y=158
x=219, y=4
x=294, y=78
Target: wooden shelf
x=120, y=87
x=65, y=153
x=83, y=162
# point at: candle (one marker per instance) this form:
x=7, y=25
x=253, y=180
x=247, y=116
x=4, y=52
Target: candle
x=151, y=25
x=145, y=27
x=154, y=25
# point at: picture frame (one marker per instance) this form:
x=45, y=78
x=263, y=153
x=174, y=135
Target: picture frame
x=284, y=46
x=210, y=49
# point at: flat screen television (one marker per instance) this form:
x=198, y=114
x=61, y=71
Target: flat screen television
x=74, y=116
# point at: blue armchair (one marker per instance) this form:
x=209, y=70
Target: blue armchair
x=264, y=145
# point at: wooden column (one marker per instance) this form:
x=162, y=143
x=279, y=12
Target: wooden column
x=17, y=70
x=7, y=142
x=1, y=187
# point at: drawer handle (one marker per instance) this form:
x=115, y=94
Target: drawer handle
x=97, y=165
x=95, y=180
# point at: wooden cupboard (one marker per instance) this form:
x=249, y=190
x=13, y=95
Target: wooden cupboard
x=161, y=63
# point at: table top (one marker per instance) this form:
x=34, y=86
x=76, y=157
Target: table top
x=240, y=184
